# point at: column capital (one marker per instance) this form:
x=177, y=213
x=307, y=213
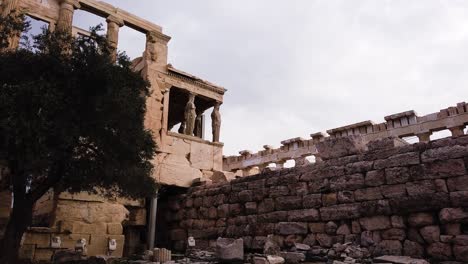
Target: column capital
x=74, y=3
x=155, y=36
x=116, y=20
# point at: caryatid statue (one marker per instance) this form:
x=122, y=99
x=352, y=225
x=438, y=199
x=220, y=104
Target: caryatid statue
x=190, y=115
x=216, y=122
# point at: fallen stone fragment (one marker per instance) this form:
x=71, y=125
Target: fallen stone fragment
x=292, y=257
x=301, y=247
x=275, y=259
x=230, y=250
x=399, y=260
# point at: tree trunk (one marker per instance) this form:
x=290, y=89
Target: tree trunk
x=20, y=220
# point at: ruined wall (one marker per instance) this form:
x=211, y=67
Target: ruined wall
x=410, y=200
x=82, y=215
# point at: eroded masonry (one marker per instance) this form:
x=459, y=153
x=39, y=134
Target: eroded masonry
x=359, y=183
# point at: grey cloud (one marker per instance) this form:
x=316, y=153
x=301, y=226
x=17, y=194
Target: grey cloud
x=297, y=67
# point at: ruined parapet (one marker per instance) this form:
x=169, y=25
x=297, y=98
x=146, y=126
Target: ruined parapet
x=400, y=125
x=388, y=197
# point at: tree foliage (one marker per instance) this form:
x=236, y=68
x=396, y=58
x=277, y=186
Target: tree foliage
x=71, y=119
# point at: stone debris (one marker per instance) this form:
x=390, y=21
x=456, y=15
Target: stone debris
x=399, y=260
x=230, y=250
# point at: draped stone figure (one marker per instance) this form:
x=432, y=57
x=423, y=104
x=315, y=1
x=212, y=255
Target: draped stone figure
x=199, y=125
x=216, y=122
x=190, y=115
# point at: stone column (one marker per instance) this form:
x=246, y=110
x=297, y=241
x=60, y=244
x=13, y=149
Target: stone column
x=65, y=20
x=424, y=136
x=457, y=131
x=113, y=26
x=152, y=222
x=190, y=115
x=216, y=122
x=200, y=125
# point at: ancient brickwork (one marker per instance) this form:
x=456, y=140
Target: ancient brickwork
x=410, y=200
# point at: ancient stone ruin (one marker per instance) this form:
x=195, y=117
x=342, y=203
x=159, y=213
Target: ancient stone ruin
x=355, y=193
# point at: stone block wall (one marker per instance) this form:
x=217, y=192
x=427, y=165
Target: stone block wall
x=408, y=200
x=79, y=216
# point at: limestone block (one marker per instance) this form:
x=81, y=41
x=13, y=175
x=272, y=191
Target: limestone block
x=99, y=244
x=137, y=217
x=26, y=252
x=375, y=223
x=39, y=239
x=291, y=228
x=43, y=254
x=217, y=158
x=172, y=169
x=177, y=146
x=114, y=229
x=340, y=147
x=77, y=227
x=201, y=156
x=229, y=250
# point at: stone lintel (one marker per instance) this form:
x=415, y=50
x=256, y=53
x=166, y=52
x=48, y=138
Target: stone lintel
x=352, y=126
x=292, y=140
x=400, y=115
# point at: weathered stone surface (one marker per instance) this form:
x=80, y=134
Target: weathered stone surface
x=394, y=234
x=399, y=260
x=413, y=249
x=375, y=223
x=271, y=246
x=375, y=178
x=292, y=257
x=291, y=228
x=228, y=249
x=340, y=147
x=339, y=212
x=368, y=194
x=440, y=251
x=347, y=182
x=343, y=230
x=457, y=184
x=451, y=215
x=317, y=227
x=403, y=159
x=392, y=191
x=288, y=203
x=388, y=247
x=459, y=199
x=329, y=199
x=420, y=219
x=306, y=215
x=430, y=234
x=312, y=201
x=442, y=169
x=461, y=253
x=330, y=228
x=444, y=153
x=396, y=175
x=324, y=240
x=345, y=197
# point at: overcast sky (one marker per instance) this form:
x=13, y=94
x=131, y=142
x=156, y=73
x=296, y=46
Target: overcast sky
x=298, y=67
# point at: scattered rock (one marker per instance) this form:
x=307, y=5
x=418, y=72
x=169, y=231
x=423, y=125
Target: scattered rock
x=229, y=249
